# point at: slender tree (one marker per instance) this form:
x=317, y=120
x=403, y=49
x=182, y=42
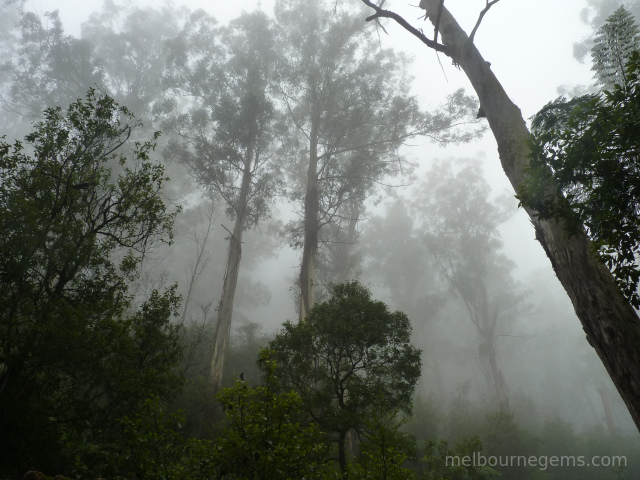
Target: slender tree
x=349, y=101
x=227, y=139
x=459, y=225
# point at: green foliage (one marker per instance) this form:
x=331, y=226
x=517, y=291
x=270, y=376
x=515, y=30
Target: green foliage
x=263, y=437
x=472, y=429
x=245, y=347
x=76, y=219
x=614, y=43
x=350, y=351
x=384, y=449
x=227, y=138
x=584, y=171
x=503, y=438
x=151, y=446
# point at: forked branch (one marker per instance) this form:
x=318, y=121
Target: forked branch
x=482, y=13
x=382, y=13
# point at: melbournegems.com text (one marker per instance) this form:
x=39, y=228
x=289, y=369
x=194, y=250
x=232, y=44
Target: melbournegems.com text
x=542, y=462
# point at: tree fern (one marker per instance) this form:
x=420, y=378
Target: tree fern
x=614, y=42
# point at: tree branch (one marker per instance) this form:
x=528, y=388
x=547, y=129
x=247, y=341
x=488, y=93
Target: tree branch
x=381, y=13
x=482, y=13
x=436, y=26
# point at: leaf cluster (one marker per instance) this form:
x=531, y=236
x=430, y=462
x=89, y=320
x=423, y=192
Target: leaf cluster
x=584, y=171
x=77, y=218
x=614, y=43
x=264, y=437
x=226, y=130
x=349, y=351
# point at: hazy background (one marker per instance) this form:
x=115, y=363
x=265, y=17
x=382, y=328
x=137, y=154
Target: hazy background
x=547, y=363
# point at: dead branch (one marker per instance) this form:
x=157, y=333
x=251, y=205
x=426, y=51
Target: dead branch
x=437, y=24
x=482, y=13
x=381, y=13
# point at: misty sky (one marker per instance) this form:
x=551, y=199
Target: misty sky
x=528, y=43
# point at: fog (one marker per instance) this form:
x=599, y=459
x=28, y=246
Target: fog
x=405, y=247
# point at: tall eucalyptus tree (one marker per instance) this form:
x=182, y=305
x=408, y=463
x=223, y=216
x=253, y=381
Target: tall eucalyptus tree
x=349, y=101
x=227, y=135
x=459, y=225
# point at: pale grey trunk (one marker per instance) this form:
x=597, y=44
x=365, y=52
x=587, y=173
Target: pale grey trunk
x=611, y=325
x=345, y=257
x=439, y=381
x=608, y=411
x=225, y=308
x=311, y=227
x=497, y=377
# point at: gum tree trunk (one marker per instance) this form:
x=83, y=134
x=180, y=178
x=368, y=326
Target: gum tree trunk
x=611, y=325
x=311, y=227
x=608, y=411
x=225, y=308
x=496, y=373
x=345, y=249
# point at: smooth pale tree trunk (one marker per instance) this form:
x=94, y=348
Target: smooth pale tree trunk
x=491, y=354
x=608, y=411
x=311, y=227
x=488, y=334
x=345, y=250
x=611, y=325
x=485, y=323
x=225, y=308
x=439, y=381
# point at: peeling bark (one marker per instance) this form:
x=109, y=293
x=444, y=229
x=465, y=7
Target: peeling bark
x=611, y=325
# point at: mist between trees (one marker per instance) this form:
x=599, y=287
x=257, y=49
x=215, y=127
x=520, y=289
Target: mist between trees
x=168, y=179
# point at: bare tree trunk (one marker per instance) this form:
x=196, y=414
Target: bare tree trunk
x=342, y=452
x=611, y=325
x=491, y=354
x=485, y=368
x=345, y=271
x=608, y=411
x=311, y=228
x=202, y=260
x=225, y=309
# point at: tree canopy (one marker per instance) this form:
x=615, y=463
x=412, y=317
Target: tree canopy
x=350, y=351
x=77, y=217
